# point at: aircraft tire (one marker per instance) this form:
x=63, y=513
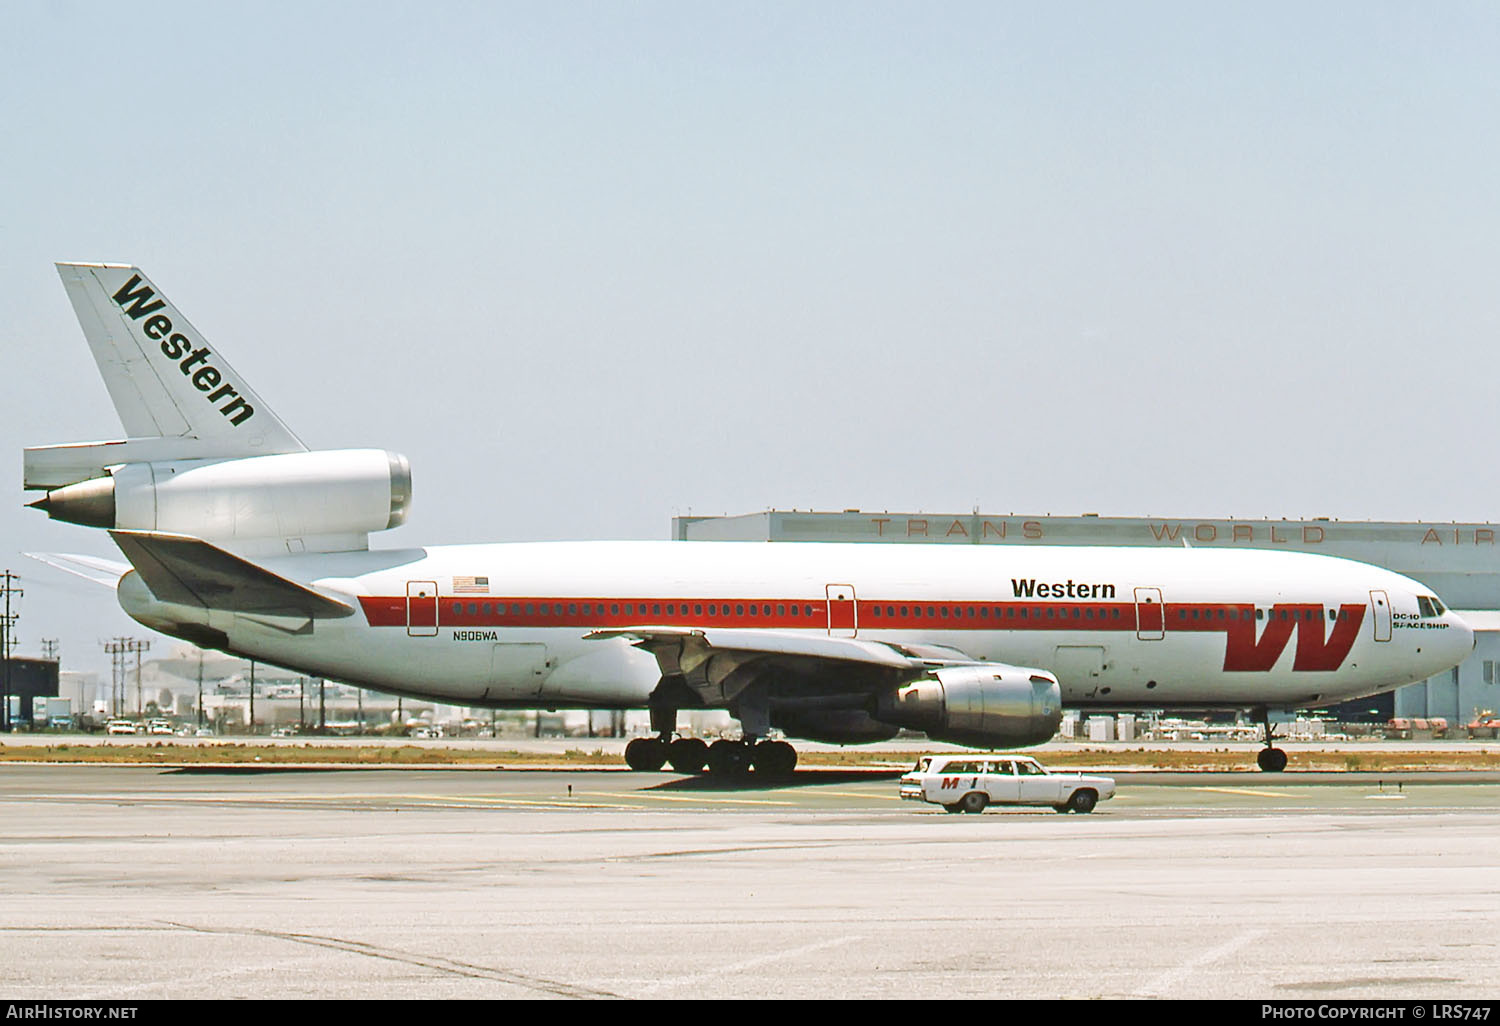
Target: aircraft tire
x=688, y=755
x=1271, y=760
x=728, y=758
x=646, y=754
x=775, y=760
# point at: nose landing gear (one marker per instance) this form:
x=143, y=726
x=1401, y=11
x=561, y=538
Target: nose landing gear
x=1270, y=758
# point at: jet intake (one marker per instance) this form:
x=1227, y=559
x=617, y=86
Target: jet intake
x=988, y=705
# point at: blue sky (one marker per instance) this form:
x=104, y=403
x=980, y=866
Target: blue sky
x=592, y=264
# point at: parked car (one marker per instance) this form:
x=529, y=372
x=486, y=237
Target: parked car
x=970, y=783
x=121, y=727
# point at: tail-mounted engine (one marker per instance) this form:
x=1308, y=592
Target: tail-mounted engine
x=987, y=705
x=306, y=496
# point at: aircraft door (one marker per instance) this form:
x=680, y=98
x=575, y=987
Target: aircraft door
x=518, y=668
x=1150, y=615
x=421, y=609
x=1380, y=605
x=843, y=616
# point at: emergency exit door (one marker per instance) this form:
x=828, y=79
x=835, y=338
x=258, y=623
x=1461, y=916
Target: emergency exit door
x=843, y=614
x=1380, y=605
x=1150, y=615
x=421, y=609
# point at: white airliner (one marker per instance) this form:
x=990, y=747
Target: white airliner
x=241, y=539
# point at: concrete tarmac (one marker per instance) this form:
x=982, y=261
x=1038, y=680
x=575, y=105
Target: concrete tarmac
x=139, y=882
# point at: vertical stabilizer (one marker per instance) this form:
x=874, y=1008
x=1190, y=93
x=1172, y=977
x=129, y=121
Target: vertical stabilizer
x=164, y=379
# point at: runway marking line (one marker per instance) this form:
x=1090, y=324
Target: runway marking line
x=1246, y=790
x=1159, y=987
x=1385, y=797
x=852, y=794
x=749, y=963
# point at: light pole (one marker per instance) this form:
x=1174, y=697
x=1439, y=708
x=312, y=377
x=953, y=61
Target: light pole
x=7, y=629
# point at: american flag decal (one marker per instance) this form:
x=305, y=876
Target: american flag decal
x=471, y=585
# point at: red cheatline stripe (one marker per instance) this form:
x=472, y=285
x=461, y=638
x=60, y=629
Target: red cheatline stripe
x=593, y=613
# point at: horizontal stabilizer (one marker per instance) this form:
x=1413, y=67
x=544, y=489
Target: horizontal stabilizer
x=91, y=568
x=190, y=571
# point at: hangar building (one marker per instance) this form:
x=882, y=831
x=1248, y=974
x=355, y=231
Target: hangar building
x=1460, y=562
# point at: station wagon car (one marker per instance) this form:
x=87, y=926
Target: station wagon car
x=970, y=783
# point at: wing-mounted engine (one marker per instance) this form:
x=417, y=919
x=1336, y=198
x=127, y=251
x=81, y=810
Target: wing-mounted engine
x=300, y=501
x=983, y=704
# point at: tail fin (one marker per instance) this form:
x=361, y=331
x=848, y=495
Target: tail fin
x=163, y=378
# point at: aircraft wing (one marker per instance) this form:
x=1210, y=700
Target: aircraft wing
x=190, y=571
x=717, y=663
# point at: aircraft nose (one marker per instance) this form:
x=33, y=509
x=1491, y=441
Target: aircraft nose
x=1464, y=640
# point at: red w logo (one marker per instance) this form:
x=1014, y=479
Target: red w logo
x=1317, y=649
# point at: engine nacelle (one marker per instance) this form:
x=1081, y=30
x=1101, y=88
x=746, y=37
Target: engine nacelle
x=989, y=705
x=303, y=495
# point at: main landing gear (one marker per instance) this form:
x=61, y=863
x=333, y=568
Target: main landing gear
x=1270, y=758
x=770, y=760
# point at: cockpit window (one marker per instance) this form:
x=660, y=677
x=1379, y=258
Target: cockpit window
x=1429, y=606
x=1437, y=607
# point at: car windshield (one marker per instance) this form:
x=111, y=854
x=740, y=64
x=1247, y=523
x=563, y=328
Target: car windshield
x=1030, y=769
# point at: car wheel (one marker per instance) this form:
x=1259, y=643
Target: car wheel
x=974, y=801
x=1083, y=801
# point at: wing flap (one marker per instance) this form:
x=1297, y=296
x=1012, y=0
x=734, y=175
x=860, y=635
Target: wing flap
x=769, y=643
x=190, y=571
